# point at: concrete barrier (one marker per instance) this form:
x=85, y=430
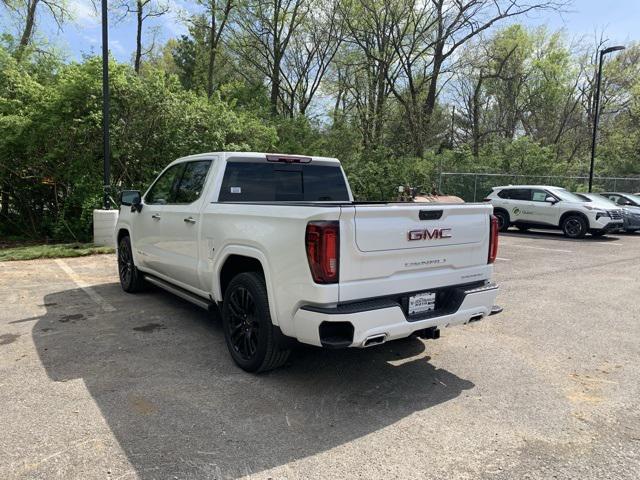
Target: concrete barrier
x=104, y=224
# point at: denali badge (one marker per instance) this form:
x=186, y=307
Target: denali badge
x=426, y=234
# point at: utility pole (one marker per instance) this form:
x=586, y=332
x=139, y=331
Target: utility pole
x=106, y=183
x=596, y=113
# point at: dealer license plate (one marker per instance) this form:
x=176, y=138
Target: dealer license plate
x=422, y=302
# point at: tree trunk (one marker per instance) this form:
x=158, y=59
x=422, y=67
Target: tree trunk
x=4, y=200
x=136, y=65
x=27, y=32
x=378, y=125
x=275, y=82
x=212, y=51
x=476, y=118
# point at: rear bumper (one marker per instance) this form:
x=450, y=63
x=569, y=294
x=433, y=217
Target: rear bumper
x=385, y=318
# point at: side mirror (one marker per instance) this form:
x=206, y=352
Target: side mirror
x=551, y=200
x=131, y=198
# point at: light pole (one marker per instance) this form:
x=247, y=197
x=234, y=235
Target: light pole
x=596, y=113
x=105, y=109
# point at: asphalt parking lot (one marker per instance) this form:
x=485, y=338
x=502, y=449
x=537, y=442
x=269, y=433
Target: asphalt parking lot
x=95, y=383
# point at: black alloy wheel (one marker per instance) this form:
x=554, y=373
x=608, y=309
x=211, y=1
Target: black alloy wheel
x=503, y=220
x=131, y=279
x=254, y=343
x=243, y=323
x=574, y=227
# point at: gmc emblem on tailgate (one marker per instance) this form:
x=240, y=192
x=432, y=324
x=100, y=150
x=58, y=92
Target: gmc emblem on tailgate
x=426, y=234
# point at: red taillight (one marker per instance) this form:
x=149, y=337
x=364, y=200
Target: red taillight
x=323, y=250
x=493, y=239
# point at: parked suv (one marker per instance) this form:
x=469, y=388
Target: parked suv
x=631, y=209
x=539, y=206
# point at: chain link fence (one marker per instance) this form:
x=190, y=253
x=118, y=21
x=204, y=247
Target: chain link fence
x=473, y=187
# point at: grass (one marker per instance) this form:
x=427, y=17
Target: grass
x=54, y=250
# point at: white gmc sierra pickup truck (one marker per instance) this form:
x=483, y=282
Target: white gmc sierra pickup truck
x=278, y=244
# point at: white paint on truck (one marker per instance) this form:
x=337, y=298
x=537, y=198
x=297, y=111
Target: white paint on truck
x=384, y=251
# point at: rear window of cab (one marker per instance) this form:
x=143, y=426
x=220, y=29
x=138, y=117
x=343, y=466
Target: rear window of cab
x=274, y=182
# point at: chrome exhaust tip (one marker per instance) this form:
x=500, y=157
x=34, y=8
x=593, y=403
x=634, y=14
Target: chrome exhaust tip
x=374, y=340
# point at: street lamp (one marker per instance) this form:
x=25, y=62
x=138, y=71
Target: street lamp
x=105, y=109
x=596, y=114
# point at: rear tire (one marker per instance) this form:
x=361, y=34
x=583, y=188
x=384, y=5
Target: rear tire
x=131, y=279
x=574, y=226
x=253, y=341
x=503, y=220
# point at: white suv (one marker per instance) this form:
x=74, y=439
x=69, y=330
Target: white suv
x=539, y=206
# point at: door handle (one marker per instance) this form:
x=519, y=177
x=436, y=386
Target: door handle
x=155, y=216
x=190, y=220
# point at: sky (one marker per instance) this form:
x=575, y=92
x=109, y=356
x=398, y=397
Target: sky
x=618, y=19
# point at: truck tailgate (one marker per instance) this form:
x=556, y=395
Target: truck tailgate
x=387, y=249
x=416, y=227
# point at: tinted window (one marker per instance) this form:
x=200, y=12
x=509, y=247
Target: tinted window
x=162, y=191
x=269, y=182
x=516, y=194
x=193, y=177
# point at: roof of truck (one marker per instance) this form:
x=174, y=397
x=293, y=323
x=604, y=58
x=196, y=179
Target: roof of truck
x=256, y=155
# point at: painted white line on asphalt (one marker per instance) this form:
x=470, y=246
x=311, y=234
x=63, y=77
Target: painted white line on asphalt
x=503, y=259
x=95, y=296
x=541, y=248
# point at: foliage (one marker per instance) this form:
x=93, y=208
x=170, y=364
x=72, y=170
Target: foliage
x=371, y=82
x=51, y=139
x=60, y=250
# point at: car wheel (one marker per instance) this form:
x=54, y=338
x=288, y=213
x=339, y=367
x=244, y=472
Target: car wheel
x=253, y=342
x=574, y=226
x=131, y=279
x=503, y=220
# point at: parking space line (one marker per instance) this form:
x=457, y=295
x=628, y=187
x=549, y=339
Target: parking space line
x=503, y=259
x=95, y=296
x=539, y=248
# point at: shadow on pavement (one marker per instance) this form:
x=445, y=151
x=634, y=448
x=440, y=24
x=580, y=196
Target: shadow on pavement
x=160, y=373
x=558, y=235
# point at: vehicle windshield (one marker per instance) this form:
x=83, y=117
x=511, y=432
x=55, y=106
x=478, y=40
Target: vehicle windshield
x=635, y=199
x=570, y=197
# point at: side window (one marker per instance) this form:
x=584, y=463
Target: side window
x=192, y=181
x=506, y=194
x=521, y=194
x=162, y=191
x=539, y=195
x=614, y=198
x=622, y=201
